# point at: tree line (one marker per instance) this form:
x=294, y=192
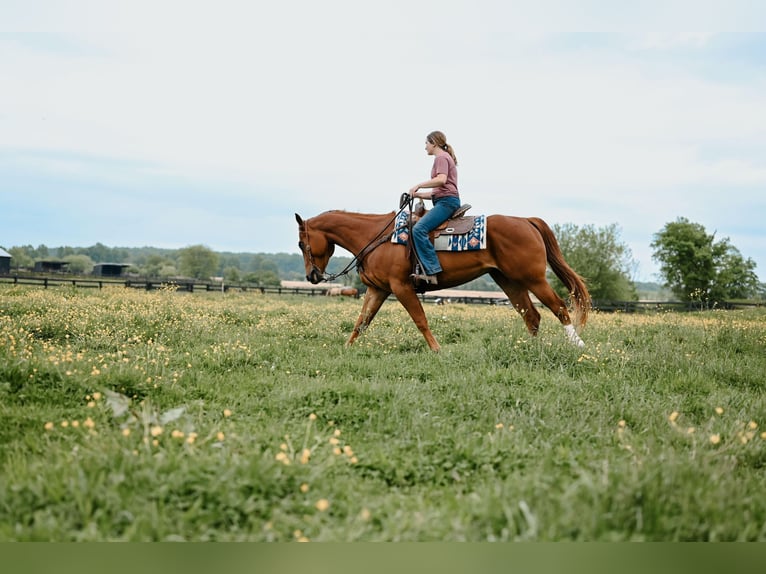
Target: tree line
x=693, y=264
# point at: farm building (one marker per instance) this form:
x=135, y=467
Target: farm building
x=109, y=269
x=51, y=266
x=5, y=262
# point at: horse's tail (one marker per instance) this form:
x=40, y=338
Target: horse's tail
x=578, y=292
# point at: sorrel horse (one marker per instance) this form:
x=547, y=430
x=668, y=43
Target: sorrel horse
x=516, y=255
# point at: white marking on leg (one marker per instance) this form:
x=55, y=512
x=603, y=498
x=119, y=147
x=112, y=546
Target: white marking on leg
x=573, y=337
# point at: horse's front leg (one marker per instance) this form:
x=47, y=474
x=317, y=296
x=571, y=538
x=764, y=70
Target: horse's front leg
x=373, y=300
x=409, y=299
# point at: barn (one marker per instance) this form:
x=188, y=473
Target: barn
x=51, y=266
x=5, y=262
x=109, y=269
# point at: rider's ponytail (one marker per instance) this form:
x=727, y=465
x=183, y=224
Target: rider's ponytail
x=440, y=140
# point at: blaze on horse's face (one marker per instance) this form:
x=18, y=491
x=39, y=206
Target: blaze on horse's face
x=316, y=250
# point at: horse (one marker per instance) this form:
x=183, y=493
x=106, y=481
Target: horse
x=343, y=292
x=517, y=252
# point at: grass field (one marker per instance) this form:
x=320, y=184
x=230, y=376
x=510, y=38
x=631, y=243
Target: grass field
x=127, y=415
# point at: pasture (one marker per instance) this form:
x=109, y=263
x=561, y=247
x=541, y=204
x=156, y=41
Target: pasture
x=150, y=416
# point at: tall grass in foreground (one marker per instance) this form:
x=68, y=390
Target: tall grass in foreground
x=127, y=415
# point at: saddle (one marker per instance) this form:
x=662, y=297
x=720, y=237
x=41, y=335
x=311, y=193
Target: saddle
x=457, y=224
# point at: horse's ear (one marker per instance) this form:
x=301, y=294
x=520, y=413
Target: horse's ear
x=298, y=219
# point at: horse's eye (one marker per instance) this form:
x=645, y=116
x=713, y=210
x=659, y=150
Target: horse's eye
x=300, y=245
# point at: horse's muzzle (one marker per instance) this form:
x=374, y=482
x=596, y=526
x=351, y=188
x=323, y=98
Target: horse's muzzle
x=314, y=277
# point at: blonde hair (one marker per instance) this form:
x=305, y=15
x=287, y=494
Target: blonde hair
x=440, y=140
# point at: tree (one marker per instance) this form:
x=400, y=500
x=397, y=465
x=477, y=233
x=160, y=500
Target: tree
x=80, y=264
x=695, y=266
x=197, y=261
x=231, y=275
x=21, y=258
x=158, y=266
x=735, y=276
x=265, y=278
x=600, y=258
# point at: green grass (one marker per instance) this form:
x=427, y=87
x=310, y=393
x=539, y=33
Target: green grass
x=137, y=416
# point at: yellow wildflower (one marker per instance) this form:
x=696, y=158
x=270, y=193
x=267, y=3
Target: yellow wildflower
x=64, y=424
x=322, y=504
x=752, y=425
x=156, y=430
x=718, y=411
x=226, y=413
x=673, y=416
x=88, y=423
x=125, y=432
x=312, y=417
x=75, y=423
x=499, y=425
x=220, y=436
x=715, y=438
x=48, y=426
x=305, y=455
x=621, y=424
x=283, y=458
x=96, y=396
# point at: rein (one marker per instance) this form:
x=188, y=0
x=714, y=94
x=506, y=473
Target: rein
x=380, y=238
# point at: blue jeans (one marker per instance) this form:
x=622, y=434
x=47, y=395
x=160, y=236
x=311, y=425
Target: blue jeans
x=438, y=214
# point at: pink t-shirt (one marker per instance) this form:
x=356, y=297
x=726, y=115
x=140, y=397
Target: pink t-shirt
x=443, y=163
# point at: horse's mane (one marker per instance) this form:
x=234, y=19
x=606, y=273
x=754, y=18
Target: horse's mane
x=355, y=213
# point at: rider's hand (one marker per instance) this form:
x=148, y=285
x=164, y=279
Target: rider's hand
x=413, y=191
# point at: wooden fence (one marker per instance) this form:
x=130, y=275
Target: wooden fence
x=183, y=285
x=486, y=298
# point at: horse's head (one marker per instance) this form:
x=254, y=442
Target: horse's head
x=316, y=249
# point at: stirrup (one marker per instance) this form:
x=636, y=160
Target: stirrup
x=430, y=279
x=461, y=211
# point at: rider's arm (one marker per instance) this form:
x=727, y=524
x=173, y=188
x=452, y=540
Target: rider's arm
x=438, y=181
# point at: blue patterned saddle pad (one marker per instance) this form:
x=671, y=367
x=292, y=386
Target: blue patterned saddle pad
x=475, y=238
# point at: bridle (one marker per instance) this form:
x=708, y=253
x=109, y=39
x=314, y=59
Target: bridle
x=380, y=238
x=306, y=249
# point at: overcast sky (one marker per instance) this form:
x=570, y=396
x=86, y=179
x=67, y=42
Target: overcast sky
x=174, y=123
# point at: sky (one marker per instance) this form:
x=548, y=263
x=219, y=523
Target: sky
x=175, y=123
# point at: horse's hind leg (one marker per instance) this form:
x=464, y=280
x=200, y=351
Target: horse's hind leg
x=519, y=297
x=373, y=300
x=548, y=297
